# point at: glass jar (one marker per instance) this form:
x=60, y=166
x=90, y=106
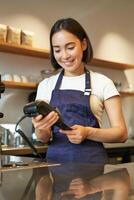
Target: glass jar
x=47, y=73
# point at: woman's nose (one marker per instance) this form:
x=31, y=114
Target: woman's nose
x=65, y=55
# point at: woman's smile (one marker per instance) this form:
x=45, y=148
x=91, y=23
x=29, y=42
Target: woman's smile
x=68, y=62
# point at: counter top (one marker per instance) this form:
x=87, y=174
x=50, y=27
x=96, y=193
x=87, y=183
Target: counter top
x=114, y=150
x=125, y=149
x=127, y=144
x=25, y=150
x=39, y=180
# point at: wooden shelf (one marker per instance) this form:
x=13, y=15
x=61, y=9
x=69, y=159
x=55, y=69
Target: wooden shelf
x=43, y=53
x=127, y=93
x=29, y=85
x=20, y=85
x=112, y=65
x=24, y=50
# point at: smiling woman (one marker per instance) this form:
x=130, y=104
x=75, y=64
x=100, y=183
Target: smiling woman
x=68, y=51
x=74, y=91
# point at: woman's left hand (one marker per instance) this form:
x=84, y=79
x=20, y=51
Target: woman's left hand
x=78, y=187
x=77, y=134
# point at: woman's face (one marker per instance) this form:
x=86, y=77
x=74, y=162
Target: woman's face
x=68, y=52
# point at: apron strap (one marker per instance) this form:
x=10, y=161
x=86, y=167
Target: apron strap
x=87, y=82
x=87, y=90
x=58, y=83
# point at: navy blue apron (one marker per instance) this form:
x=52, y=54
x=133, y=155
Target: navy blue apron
x=75, y=108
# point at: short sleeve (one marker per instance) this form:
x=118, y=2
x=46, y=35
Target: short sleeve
x=102, y=86
x=109, y=89
x=42, y=91
x=45, y=88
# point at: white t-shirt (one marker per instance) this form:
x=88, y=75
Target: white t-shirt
x=102, y=89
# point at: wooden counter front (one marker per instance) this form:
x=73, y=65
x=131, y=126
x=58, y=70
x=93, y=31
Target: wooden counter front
x=22, y=150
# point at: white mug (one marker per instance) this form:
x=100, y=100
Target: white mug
x=24, y=79
x=6, y=77
x=16, y=78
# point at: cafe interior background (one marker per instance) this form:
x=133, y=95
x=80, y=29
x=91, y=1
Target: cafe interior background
x=109, y=25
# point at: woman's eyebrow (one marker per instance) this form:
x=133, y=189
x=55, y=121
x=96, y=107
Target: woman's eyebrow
x=69, y=43
x=55, y=46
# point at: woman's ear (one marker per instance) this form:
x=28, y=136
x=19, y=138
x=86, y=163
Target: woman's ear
x=84, y=44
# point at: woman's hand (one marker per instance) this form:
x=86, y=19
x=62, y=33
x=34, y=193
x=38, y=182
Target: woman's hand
x=43, y=125
x=78, y=188
x=44, y=188
x=117, y=181
x=77, y=135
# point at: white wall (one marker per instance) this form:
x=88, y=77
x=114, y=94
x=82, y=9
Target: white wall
x=108, y=24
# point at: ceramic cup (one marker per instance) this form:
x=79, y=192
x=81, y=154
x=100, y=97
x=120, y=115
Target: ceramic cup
x=24, y=79
x=6, y=77
x=16, y=78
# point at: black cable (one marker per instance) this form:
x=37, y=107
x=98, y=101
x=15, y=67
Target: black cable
x=18, y=122
x=35, y=152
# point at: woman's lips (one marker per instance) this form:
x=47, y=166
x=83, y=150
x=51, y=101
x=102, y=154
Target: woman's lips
x=68, y=63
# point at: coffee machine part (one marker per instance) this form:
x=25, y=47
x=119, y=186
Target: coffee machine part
x=2, y=89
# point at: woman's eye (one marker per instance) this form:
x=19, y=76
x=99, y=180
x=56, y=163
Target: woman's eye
x=70, y=48
x=56, y=51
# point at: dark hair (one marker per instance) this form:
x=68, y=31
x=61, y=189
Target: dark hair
x=72, y=26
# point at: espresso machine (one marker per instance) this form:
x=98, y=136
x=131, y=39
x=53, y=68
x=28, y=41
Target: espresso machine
x=2, y=89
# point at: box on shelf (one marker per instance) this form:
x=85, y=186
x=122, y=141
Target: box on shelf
x=3, y=32
x=27, y=38
x=13, y=35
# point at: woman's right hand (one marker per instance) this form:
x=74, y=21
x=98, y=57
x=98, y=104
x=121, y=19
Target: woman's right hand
x=43, y=123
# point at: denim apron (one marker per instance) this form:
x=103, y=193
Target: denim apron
x=75, y=108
